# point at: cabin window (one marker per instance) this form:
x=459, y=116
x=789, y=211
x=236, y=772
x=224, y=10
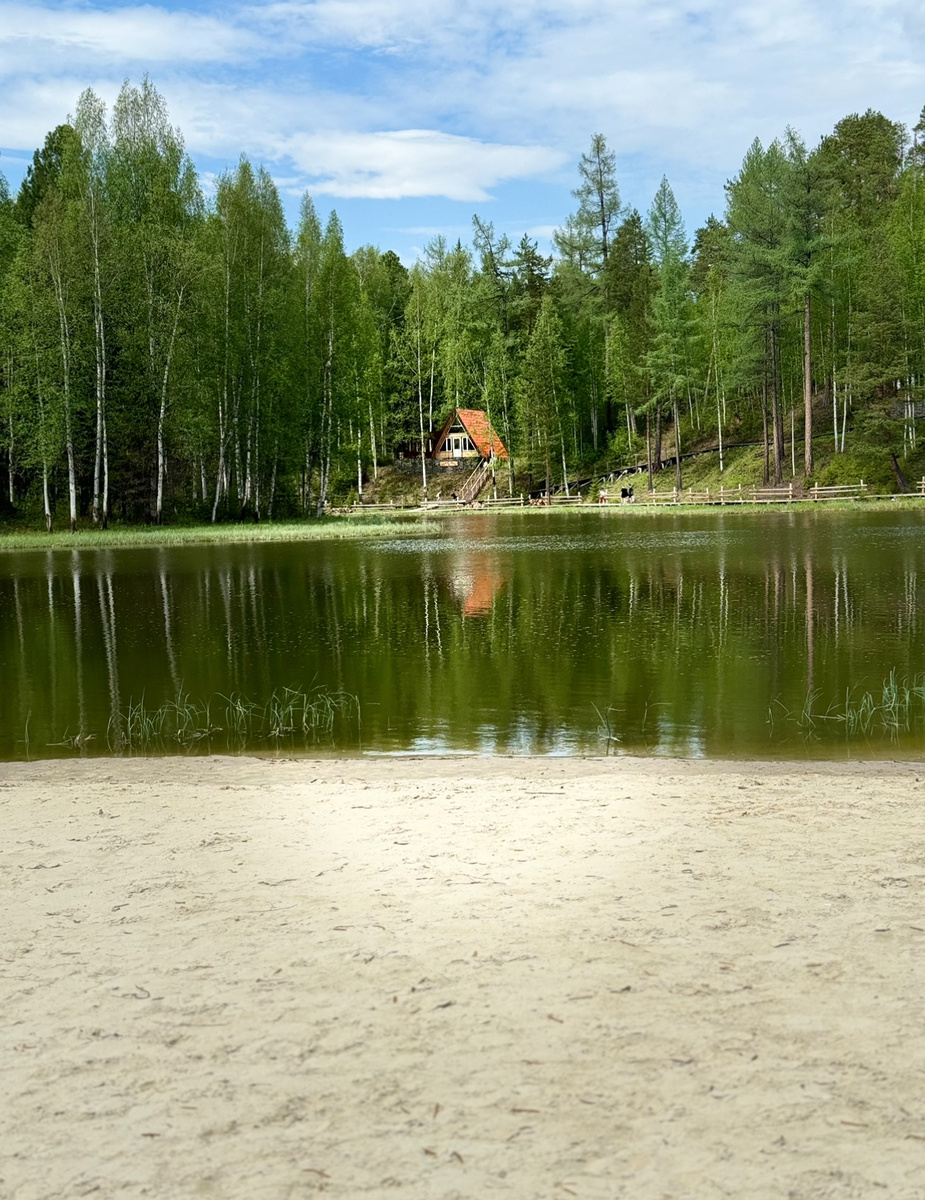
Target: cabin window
x=458, y=445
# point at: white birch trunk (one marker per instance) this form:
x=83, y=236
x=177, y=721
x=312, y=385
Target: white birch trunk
x=162, y=410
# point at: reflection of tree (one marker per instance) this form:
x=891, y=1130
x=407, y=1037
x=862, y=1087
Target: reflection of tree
x=810, y=626
x=679, y=642
x=108, y=624
x=163, y=581
x=78, y=644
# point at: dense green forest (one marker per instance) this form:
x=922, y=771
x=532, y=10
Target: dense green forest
x=162, y=355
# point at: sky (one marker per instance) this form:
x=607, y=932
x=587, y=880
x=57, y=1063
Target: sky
x=408, y=120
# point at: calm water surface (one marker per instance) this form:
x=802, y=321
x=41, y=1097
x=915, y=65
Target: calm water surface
x=690, y=634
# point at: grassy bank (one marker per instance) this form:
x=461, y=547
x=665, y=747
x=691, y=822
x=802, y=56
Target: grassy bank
x=744, y=465
x=362, y=525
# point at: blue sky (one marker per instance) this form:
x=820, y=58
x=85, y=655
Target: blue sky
x=408, y=120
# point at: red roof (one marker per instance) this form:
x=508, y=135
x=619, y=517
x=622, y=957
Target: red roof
x=476, y=424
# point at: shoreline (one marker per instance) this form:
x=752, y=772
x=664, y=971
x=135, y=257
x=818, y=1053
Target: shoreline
x=388, y=521
x=451, y=977
x=328, y=528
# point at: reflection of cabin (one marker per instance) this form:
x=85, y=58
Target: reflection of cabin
x=466, y=437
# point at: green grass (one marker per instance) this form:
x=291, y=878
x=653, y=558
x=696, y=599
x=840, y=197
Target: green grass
x=330, y=528
x=745, y=466
x=897, y=707
x=291, y=717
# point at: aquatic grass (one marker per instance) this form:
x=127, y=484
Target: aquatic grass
x=74, y=741
x=335, y=528
x=896, y=702
x=606, y=727
x=897, y=707
x=859, y=716
x=650, y=703
x=238, y=714
x=806, y=718
x=299, y=715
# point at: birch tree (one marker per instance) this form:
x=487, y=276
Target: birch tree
x=156, y=205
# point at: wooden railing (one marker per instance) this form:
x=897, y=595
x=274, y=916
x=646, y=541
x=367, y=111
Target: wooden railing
x=476, y=481
x=737, y=495
x=775, y=495
x=848, y=491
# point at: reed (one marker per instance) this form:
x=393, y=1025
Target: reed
x=606, y=728
x=897, y=707
x=374, y=525
x=294, y=715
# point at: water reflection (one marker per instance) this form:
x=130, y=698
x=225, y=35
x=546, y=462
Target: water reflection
x=545, y=633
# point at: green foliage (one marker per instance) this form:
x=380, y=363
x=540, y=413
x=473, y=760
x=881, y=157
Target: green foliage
x=162, y=357
x=864, y=462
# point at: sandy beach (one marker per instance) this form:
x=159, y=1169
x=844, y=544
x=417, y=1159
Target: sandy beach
x=448, y=978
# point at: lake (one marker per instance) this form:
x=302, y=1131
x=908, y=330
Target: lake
x=789, y=634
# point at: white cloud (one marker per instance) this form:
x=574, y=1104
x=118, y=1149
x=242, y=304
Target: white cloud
x=412, y=162
x=29, y=108
x=385, y=99
x=40, y=36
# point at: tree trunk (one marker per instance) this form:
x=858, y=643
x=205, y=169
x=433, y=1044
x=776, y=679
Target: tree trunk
x=421, y=411
x=10, y=464
x=658, y=437
x=101, y=458
x=272, y=495
x=835, y=409
x=162, y=413
x=372, y=441
x=220, y=472
x=766, y=479
x=807, y=390
x=57, y=275
x=776, y=419
x=45, y=499
x=900, y=478
x=327, y=418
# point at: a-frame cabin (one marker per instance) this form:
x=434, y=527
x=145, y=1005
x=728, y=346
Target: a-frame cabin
x=467, y=436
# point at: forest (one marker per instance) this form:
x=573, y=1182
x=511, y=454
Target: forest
x=167, y=356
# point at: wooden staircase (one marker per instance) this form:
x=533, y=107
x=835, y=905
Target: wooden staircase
x=476, y=481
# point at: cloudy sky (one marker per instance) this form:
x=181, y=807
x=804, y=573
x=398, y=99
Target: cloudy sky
x=407, y=120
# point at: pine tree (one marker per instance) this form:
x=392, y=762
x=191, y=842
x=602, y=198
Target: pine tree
x=668, y=357
x=756, y=215
x=541, y=394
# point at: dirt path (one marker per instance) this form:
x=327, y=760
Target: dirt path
x=534, y=978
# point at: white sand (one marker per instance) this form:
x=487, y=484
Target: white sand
x=462, y=978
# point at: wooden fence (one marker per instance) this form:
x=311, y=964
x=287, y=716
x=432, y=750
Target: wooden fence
x=722, y=496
